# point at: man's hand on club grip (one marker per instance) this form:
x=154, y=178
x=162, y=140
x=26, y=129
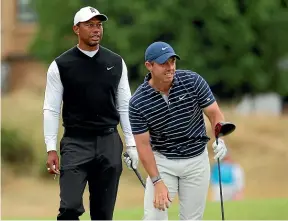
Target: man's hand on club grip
x=220, y=150
x=132, y=159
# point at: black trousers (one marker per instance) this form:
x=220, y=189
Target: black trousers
x=95, y=160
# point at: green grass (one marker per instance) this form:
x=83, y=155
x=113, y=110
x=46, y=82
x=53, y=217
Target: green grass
x=268, y=209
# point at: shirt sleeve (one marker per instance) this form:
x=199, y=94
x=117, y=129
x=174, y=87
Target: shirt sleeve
x=204, y=94
x=138, y=122
x=123, y=97
x=52, y=106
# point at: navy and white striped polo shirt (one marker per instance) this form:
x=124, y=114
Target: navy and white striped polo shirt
x=176, y=127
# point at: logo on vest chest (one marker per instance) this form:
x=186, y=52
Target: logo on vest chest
x=109, y=68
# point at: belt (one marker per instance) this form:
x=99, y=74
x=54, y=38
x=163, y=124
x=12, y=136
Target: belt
x=89, y=132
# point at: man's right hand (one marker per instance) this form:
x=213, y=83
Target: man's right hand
x=161, y=196
x=53, y=162
x=130, y=157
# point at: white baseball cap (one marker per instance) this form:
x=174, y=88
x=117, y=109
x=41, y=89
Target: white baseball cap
x=86, y=13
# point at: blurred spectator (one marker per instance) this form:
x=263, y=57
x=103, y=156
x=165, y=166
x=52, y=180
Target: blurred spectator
x=232, y=176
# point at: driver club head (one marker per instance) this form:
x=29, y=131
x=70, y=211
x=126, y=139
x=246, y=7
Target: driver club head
x=224, y=128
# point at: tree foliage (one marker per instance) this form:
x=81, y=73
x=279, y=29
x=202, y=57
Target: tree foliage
x=236, y=44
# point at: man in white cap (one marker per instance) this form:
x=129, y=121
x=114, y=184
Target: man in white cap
x=92, y=82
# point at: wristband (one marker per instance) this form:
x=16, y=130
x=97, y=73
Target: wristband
x=155, y=179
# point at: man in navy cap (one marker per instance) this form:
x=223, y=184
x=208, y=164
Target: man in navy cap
x=166, y=117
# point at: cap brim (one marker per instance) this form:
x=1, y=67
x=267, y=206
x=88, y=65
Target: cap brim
x=102, y=17
x=163, y=58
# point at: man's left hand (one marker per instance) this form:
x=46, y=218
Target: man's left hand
x=220, y=150
x=132, y=160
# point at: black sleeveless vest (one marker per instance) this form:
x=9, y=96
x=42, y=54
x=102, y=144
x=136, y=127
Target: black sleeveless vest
x=90, y=87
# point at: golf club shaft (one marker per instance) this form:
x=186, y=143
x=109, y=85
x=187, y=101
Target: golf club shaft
x=220, y=185
x=139, y=176
x=135, y=170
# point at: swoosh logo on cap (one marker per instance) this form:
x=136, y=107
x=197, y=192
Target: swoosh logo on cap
x=164, y=48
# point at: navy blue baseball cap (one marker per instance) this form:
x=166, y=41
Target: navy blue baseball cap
x=159, y=52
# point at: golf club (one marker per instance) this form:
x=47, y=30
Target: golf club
x=135, y=171
x=222, y=129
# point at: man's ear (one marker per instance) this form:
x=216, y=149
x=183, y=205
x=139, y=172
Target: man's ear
x=76, y=29
x=148, y=65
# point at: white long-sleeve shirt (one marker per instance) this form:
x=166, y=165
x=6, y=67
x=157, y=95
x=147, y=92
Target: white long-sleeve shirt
x=53, y=101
